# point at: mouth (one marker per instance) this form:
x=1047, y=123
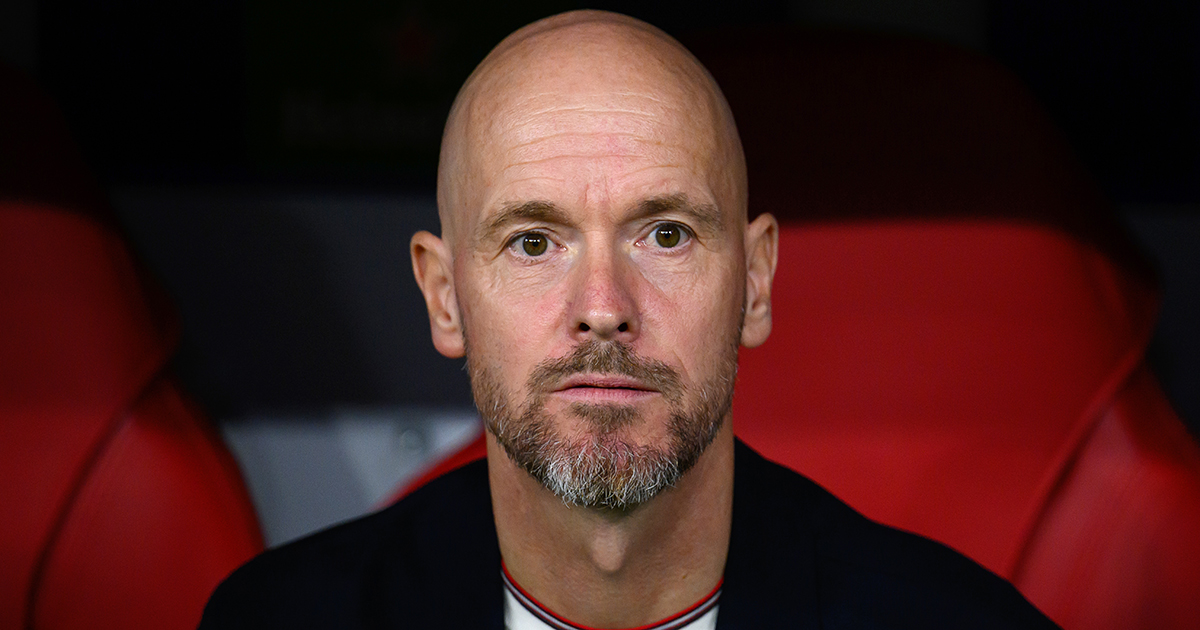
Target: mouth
x=603, y=388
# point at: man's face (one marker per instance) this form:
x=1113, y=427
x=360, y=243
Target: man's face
x=599, y=272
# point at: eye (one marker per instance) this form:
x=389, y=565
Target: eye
x=668, y=235
x=532, y=243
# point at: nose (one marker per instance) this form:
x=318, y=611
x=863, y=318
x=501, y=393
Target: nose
x=605, y=304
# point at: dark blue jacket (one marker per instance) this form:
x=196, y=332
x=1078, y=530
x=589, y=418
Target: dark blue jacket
x=798, y=558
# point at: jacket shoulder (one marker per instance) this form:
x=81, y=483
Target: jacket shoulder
x=866, y=574
x=387, y=569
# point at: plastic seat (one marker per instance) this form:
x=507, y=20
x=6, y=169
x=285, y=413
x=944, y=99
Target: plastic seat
x=960, y=324
x=984, y=385
x=124, y=508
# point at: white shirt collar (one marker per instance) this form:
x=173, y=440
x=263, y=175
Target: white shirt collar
x=523, y=612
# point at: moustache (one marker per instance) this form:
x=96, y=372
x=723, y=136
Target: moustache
x=606, y=357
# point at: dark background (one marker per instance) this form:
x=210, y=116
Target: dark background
x=193, y=90
x=270, y=158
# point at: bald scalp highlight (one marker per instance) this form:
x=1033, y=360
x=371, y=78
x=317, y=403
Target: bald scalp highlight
x=558, y=49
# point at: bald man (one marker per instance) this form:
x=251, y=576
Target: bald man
x=597, y=270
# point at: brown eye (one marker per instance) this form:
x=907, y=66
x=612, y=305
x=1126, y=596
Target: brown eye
x=668, y=234
x=534, y=244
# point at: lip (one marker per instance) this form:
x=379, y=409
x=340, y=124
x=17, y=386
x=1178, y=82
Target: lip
x=603, y=388
x=603, y=381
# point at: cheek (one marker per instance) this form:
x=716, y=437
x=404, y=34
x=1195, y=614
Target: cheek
x=690, y=313
x=511, y=321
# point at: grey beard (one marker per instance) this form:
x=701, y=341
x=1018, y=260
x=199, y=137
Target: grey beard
x=601, y=470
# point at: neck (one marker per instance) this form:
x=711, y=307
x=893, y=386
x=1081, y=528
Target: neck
x=637, y=566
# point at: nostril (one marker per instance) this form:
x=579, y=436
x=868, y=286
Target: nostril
x=603, y=329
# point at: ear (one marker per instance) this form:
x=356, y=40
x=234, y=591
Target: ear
x=762, y=253
x=434, y=271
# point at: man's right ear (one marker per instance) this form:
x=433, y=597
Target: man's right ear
x=434, y=271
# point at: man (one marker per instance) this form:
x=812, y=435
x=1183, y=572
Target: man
x=597, y=269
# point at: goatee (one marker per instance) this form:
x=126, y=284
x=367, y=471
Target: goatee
x=602, y=469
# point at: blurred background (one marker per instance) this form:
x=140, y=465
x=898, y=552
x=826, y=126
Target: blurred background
x=270, y=159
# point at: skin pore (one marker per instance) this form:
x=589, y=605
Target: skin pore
x=597, y=269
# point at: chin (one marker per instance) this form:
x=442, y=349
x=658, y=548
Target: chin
x=628, y=422
x=607, y=459
x=592, y=450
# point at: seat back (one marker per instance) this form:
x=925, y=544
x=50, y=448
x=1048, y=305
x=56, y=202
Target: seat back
x=938, y=375
x=960, y=323
x=125, y=509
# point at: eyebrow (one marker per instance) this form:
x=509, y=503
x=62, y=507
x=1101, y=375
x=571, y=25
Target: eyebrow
x=533, y=211
x=706, y=216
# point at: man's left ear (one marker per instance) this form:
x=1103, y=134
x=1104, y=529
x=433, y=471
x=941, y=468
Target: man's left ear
x=762, y=253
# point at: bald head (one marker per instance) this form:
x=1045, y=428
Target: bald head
x=589, y=83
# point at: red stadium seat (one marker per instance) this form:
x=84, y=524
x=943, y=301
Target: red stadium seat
x=124, y=509
x=960, y=324
x=983, y=384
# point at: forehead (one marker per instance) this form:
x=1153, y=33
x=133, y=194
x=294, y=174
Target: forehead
x=592, y=119
x=615, y=140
